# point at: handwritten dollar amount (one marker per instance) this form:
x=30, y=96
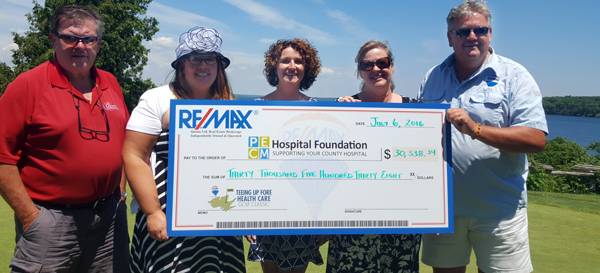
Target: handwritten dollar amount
x=411, y=154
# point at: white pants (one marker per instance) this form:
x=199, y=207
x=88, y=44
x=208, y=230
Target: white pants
x=500, y=245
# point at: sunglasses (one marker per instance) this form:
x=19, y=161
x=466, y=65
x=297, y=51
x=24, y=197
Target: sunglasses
x=382, y=63
x=465, y=32
x=87, y=133
x=74, y=40
x=208, y=61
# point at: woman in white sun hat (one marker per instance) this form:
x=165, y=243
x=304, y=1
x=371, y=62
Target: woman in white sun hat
x=199, y=74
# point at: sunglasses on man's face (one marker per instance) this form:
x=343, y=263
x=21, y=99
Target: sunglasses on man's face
x=382, y=63
x=465, y=32
x=74, y=40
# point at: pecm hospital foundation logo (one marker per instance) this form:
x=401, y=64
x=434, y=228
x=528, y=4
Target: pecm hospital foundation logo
x=258, y=147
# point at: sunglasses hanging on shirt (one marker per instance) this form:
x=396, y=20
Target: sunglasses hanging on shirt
x=87, y=133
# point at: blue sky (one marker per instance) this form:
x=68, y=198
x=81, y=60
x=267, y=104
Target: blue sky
x=557, y=41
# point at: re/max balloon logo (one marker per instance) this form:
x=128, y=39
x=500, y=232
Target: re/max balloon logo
x=231, y=119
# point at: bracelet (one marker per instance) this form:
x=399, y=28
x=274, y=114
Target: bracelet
x=478, y=131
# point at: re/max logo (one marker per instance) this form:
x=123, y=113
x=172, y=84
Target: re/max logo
x=233, y=119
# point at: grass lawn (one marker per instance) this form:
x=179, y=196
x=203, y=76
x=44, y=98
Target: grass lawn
x=563, y=230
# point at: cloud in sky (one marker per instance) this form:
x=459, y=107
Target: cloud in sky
x=340, y=16
x=162, y=53
x=338, y=28
x=352, y=26
x=10, y=47
x=181, y=19
x=243, y=59
x=164, y=42
x=173, y=22
x=12, y=19
x=267, y=41
x=270, y=17
x=6, y=54
x=327, y=71
x=25, y=4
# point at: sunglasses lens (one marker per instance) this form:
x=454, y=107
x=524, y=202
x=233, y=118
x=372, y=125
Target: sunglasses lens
x=480, y=31
x=205, y=60
x=68, y=39
x=73, y=40
x=465, y=32
x=383, y=63
x=89, y=40
x=366, y=65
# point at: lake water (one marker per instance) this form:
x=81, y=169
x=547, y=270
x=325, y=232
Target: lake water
x=253, y=97
x=582, y=130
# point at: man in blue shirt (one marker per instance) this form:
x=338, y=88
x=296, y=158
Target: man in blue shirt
x=497, y=117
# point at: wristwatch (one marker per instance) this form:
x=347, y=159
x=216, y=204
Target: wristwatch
x=123, y=195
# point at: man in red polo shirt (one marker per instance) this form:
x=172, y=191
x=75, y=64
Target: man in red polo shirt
x=62, y=130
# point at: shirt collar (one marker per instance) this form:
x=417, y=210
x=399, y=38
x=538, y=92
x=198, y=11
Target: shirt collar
x=491, y=63
x=492, y=60
x=58, y=76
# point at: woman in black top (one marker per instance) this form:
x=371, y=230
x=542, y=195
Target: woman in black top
x=374, y=252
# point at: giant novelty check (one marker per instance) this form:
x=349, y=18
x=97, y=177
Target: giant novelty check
x=260, y=167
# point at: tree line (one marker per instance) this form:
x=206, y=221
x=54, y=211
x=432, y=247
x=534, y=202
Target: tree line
x=572, y=106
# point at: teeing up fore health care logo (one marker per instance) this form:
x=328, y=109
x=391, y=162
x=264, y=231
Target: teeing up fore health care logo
x=258, y=147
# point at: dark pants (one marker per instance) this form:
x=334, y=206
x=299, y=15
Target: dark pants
x=91, y=239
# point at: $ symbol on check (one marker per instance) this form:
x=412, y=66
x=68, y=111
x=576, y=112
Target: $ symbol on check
x=387, y=154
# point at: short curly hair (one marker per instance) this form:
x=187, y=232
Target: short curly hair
x=312, y=63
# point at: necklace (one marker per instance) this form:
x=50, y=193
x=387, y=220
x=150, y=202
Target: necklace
x=299, y=96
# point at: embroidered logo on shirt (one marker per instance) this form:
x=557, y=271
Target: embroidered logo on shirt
x=492, y=80
x=110, y=107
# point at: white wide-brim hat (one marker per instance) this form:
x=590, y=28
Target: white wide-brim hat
x=200, y=41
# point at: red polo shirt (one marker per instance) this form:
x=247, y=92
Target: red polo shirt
x=39, y=133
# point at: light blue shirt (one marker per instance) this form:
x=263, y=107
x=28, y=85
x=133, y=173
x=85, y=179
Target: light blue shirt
x=488, y=183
